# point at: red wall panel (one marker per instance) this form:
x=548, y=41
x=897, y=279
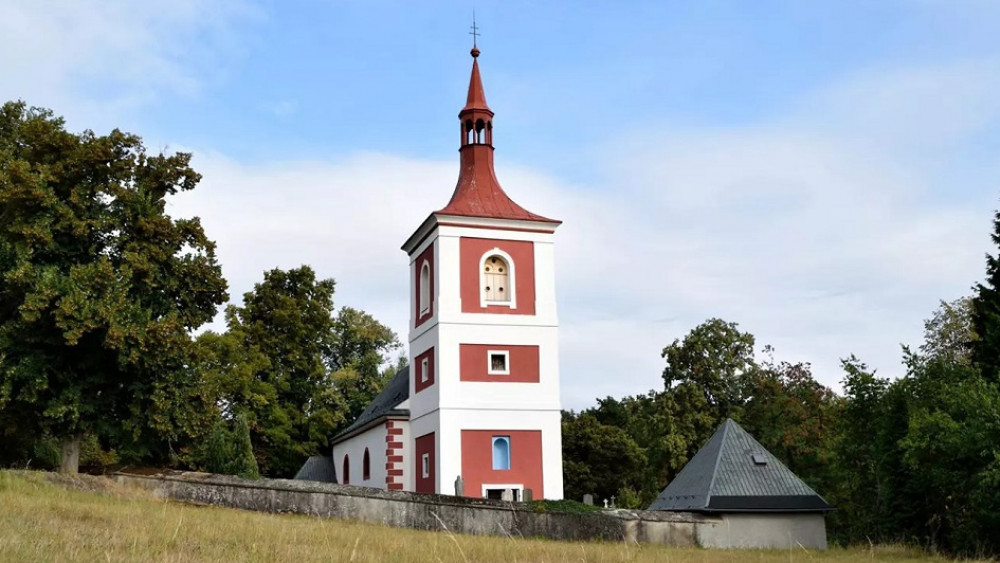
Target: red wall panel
x=474, y=363
x=428, y=256
x=523, y=255
x=424, y=445
x=525, y=460
x=418, y=383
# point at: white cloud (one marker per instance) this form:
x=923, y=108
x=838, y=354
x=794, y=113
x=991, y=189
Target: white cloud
x=94, y=59
x=831, y=228
x=816, y=245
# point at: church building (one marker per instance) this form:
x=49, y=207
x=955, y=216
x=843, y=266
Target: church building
x=480, y=399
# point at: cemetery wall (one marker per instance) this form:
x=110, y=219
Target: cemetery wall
x=425, y=511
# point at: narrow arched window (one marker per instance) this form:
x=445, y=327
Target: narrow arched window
x=425, y=288
x=496, y=279
x=480, y=135
x=501, y=452
x=346, y=477
x=366, y=467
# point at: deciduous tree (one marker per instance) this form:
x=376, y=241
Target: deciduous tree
x=298, y=370
x=99, y=287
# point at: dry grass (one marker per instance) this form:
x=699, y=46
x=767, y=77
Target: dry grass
x=45, y=518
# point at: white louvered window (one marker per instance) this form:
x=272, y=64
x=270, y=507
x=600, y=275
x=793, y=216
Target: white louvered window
x=496, y=279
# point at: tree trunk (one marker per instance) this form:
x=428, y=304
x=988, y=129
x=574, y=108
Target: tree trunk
x=70, y=461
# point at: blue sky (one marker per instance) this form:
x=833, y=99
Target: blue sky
x=820, y=172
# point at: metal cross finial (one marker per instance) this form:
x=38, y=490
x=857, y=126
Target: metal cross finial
x=475, y=29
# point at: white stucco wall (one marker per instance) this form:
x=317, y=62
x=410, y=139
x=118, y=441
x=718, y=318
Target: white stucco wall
x=777, y=531
x=374, y=440
x=451, y=405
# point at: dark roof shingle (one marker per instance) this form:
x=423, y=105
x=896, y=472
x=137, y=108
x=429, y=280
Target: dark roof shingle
x=318, y=468
x=384, y=404
x=732, y=472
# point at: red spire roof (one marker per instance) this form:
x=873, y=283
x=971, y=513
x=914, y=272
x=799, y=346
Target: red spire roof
x=478, y=193
x=477, y=96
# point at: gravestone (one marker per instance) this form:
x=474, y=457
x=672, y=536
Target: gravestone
x=507, y=495
x=588, y=499
x=528, y=495
x=459, y=486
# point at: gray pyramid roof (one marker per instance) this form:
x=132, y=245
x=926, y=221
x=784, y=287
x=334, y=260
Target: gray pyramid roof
x=732, y=472
x=383, y=405
x=318, y=468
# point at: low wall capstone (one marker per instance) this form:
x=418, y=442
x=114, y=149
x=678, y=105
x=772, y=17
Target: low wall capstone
x=422, y=511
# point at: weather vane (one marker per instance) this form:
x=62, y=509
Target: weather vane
x=475, y=29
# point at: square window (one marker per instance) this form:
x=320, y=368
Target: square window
x=425, y=366
x=498, y=362
x=425, y=466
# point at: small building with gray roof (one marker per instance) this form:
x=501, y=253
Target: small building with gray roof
x=761, y=502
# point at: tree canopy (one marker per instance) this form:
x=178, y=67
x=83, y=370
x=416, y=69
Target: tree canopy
x=99, y=287
x=294, y=367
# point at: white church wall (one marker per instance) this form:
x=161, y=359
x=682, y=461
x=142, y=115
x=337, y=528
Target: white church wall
x=455, y=393
x=427, y=399
x=354, y=448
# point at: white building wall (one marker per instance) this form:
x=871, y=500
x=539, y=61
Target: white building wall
x=450, y=405
x=766, y=531
x=521, y=396
x=354, y=447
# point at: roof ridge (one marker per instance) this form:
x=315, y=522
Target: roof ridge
x=718, y=458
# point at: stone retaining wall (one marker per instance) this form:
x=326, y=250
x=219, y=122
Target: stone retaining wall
x=423, y=511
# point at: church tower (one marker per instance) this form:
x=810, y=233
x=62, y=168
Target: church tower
x=484, y=348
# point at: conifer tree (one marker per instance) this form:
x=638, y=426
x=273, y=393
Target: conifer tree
x=986, y=314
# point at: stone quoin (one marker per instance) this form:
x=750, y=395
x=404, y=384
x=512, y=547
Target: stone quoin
x=479, y=402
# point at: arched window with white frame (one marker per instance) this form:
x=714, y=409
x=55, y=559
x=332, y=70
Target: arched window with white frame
x=496, y=279
x=425, y=288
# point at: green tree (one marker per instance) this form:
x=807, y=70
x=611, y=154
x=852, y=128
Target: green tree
x=986, y=314
x=713, y=358
x=793, y=416
x=298, y=371
x=599, y=459
x=361, y=346
x=867, y=456
x=949, y=335
x=99, y=288
x=951, y=444
x=228, y=450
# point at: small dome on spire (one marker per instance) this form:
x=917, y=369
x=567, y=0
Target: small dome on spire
x=474, y=52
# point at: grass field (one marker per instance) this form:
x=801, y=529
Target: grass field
x=92, y=519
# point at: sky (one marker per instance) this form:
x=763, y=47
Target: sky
x=821, y=173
